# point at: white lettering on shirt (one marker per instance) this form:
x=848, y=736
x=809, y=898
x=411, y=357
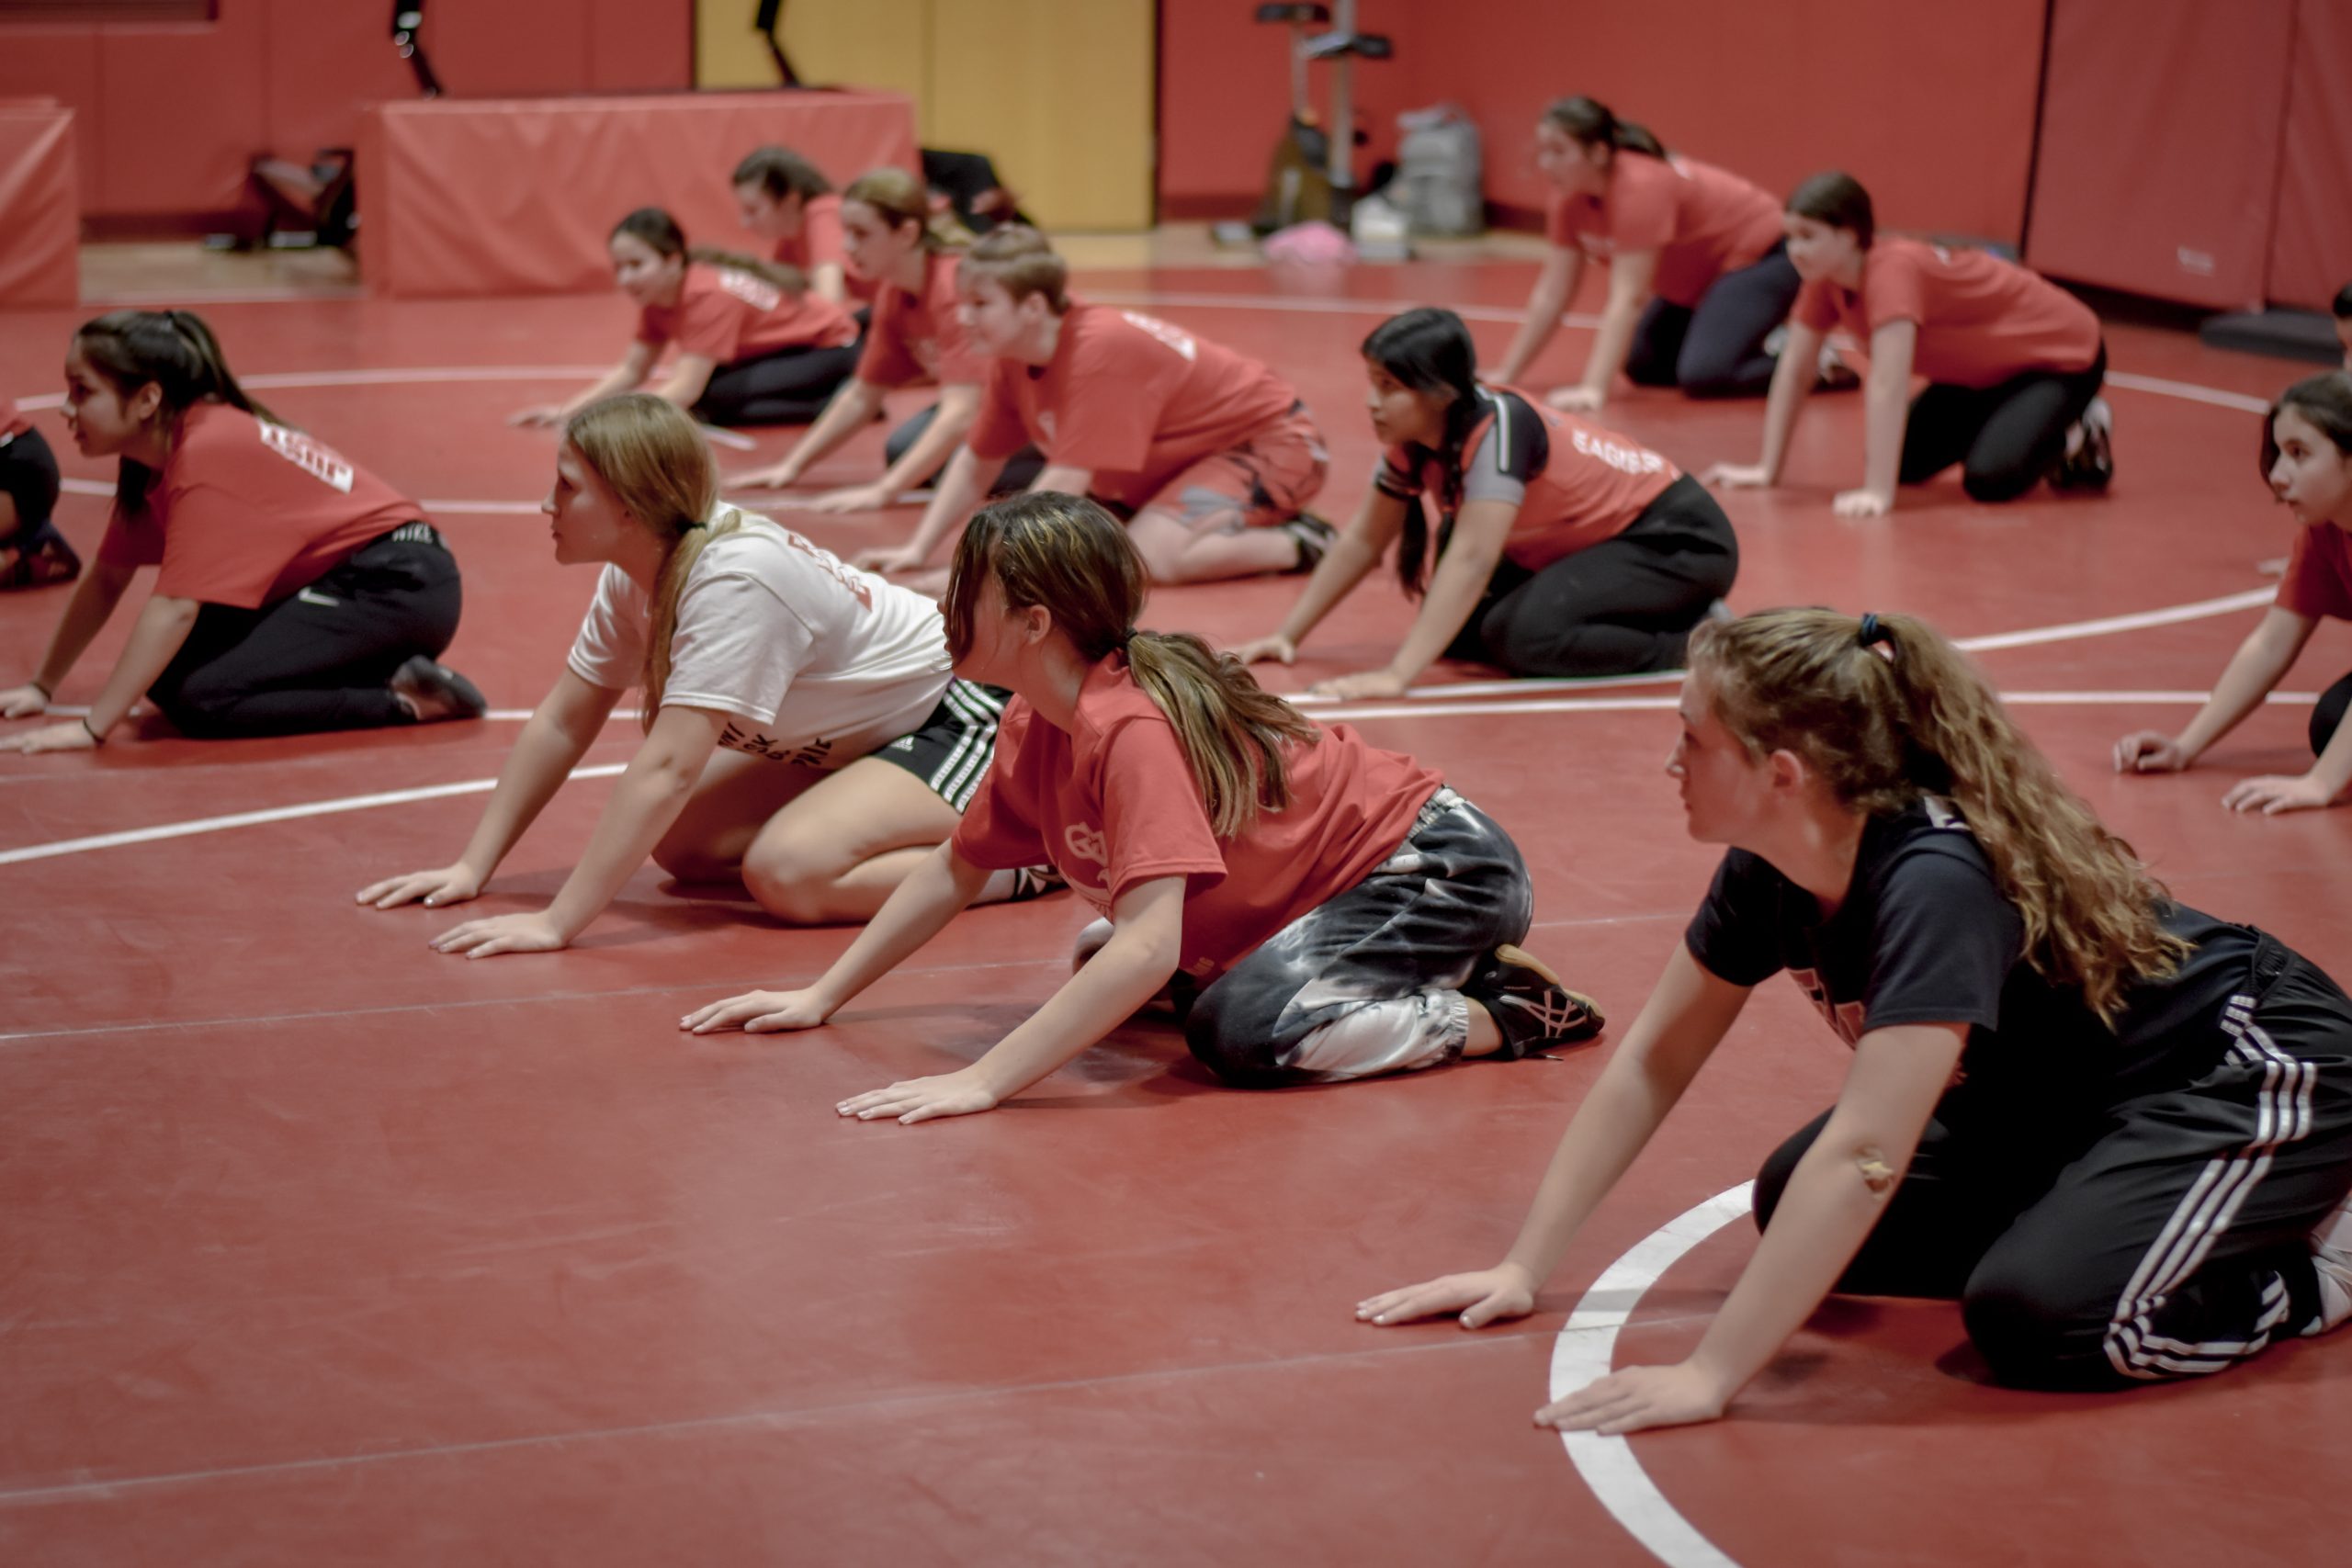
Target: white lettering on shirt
x=757, y=292
x=320, y=462
x=1629, y=460
x=1180, y=342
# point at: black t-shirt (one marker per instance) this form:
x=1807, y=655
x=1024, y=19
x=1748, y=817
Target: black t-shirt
x=1924, y=936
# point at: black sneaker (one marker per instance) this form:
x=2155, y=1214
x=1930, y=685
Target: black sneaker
x=1314, y=537
x=433, y=691
x=2089, y=460
x=1530, y=1005
x=1035, y=882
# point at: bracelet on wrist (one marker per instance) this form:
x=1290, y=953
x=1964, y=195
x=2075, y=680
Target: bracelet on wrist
x=96, y=739
x=34, y=681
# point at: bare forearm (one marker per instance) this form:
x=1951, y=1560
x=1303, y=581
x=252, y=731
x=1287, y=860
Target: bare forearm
x=1462, y=575
x=966, y=479
x=1334, y=577
x=917, y=910
x=95, y=598
x=1793, y=379
x=162, y=628
x=1887, y=412
x=643, y=805
x=1104, y=994
x=2252, y=671
x=848, y=413
x=543, y=758
x=1611, y=339
x=1616, y=1119
x=957, y=412
x=1535, y=330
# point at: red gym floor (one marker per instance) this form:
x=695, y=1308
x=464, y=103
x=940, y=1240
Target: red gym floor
x=316, y=1246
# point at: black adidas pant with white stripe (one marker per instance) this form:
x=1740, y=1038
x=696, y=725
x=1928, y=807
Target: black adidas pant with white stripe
x=320, y=657
x=2176, y=1243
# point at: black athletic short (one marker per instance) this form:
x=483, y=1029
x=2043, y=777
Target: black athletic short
x=950, y=749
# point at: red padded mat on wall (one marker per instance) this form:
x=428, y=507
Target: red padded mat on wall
x=2159, y=139
x=2310, y=243
x=41, y=206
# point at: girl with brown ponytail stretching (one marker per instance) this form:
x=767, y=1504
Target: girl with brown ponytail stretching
x=2117, y=1130
x=294, y=593
x=1337, y=910
x=803, y=736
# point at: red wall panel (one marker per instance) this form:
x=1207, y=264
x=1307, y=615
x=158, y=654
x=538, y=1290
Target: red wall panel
x=2311, y=242
x=59, y=63
x=171, y=114
x=1935, y=116
x=2159, y=146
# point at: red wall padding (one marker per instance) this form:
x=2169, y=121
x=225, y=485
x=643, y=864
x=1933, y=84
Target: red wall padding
x=41, y=206
x=1931, y=108
x=2310, y=243
x=464, y=197
x=2159, y=139
x=171, y=113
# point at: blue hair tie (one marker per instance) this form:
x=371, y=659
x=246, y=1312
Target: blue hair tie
x=1873, y=634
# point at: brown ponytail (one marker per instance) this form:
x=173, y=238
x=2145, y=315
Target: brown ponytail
x=1067, y=554
x=652, y=457
x=176, y=352
x=1589, y=122
x=1905, y=715
x=901, y=199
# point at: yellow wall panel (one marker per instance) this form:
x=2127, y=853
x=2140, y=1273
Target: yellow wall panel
x=1060, y=94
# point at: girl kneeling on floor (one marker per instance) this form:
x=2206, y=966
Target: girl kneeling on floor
x=1564, y=548
x=755, y=346
x=1342, y=912
x=296, y=592
x=849, y=747
x=2116, y=1129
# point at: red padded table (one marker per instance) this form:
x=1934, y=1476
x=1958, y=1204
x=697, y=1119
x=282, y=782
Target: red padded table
x=40, y=204
x=480, y=197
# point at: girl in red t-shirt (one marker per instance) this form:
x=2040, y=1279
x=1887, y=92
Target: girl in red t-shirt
x=1340, y=910
x=1562, y=548
x=1697, y=277
x=787, y=200
x=2307, y=462
x=894, y=238
x=2013, y=363
x=297, y=591
x=33, y=554
x=755, y=345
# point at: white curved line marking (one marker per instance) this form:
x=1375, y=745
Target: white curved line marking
x=1587, y=1348
x=274, y=814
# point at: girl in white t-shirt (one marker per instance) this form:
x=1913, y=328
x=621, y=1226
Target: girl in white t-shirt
x=846, y=750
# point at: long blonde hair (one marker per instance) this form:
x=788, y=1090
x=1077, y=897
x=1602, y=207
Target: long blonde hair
x=649, y=454
x=1067, y=554
x=902, y=200
x=1905, y=716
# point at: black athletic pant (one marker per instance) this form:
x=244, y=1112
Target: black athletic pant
x=1021, y=469
x=2173, y=1240
x=320, y=658
x=1715, y=348
x=2005, y=439
x=2329, y=714
x=1623, y=606
x=791, y=386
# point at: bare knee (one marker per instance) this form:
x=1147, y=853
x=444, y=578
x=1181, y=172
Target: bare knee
x=795, y=883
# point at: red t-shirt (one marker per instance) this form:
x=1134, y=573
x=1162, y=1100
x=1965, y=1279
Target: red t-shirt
x=914, y=335
x=1574, y=482
x=1981, y=320
x=1701, y=220
x=2319, y=573
x=818, y=244
x=1131, y=400
x=245, y=513
x=726, y=315
x=1112, y=803
x=12, y=420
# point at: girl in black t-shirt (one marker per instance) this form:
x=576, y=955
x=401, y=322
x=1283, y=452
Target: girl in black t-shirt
x=2119, y=1130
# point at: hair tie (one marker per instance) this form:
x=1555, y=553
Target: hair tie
x=1128, y=636
x=1877, y=638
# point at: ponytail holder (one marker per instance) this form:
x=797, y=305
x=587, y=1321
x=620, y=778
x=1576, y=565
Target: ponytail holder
x=1128, y=636
x=1878, y=638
